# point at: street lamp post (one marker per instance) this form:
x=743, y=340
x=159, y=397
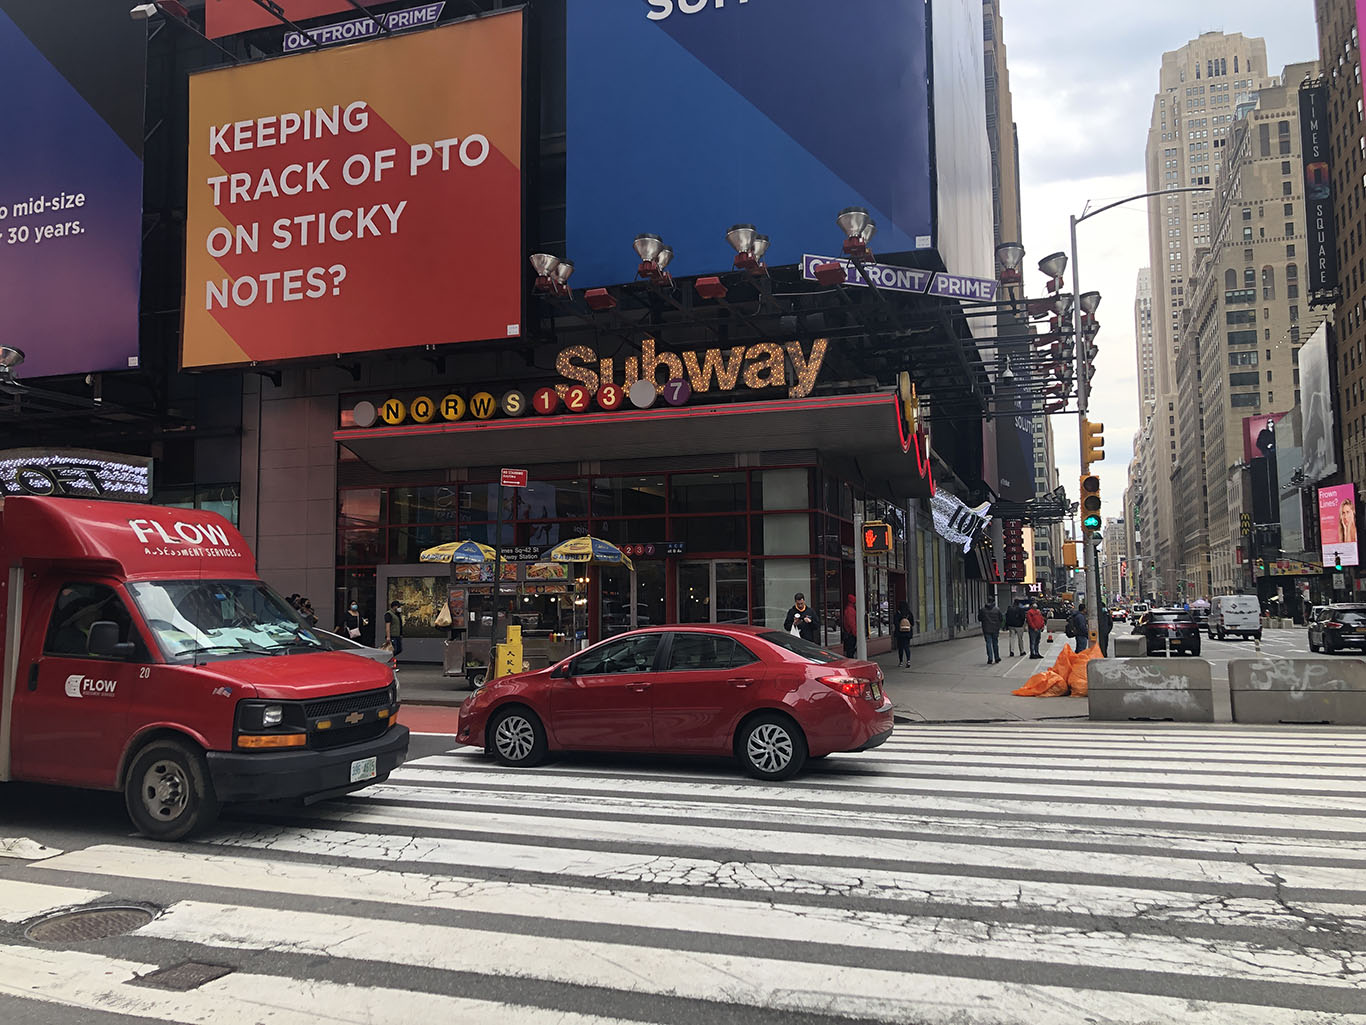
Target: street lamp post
x=1089, y=546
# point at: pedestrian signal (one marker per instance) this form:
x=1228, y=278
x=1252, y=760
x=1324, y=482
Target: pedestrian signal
x=877, y=537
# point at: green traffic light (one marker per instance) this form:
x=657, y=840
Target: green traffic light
x=1091, y=522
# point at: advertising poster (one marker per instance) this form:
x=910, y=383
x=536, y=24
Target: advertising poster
x=1289, y=460
x=1338, y=524
x=74, y=77
x=361, y=198
x=1259, y=435
x=1318, y=195
x=1316, y=389
x=742, y=113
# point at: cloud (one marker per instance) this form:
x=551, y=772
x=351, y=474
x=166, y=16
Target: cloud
x=1082, y=78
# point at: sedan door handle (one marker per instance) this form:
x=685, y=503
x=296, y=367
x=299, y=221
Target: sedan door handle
x=740, y=681
x=639, y=688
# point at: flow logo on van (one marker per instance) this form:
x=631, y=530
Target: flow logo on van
x=78, y=686
x=182, y=538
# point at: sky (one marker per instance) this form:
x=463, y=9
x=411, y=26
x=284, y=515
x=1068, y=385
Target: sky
x=1083, y=76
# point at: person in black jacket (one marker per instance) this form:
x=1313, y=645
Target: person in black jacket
x=1015, y=623
x=990, y=618
x=803, y=617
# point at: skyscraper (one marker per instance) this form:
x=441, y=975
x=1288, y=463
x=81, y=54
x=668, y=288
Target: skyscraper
x=1143, y=334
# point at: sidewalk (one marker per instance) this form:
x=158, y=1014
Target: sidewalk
x=948, y=681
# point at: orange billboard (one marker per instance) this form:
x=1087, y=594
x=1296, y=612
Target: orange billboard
x=355, y=199
x=228, y=17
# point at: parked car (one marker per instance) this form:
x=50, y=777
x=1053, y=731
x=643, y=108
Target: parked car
x=1239, y=614
x=1335, y=627
x=1169, y=630
x=767, y=698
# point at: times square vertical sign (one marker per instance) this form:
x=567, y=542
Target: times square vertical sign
x=1318, y=195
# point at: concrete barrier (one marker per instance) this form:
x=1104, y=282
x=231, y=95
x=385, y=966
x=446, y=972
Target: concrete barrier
x=1298, y=690
x=1129, y=645
x=1177, y=689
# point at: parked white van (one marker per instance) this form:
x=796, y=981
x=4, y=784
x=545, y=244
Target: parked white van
x=1239, y=614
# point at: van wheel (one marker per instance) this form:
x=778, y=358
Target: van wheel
x=168, y=791
x=771, y=746
x=1258, y=635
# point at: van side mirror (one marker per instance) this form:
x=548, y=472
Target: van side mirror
x=103, y=641
x=560, y=672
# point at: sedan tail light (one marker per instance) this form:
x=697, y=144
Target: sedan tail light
x=1333, y=624
x=851, y=686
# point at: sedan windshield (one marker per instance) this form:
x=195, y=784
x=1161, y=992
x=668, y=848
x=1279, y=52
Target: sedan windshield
x=807, y=650
x=206, y=620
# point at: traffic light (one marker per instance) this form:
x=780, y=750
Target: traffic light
x=1069, y=554
x=1013, y=556
x=1092, y=442
x=1090, y=500
x=1337, y=560
x=877, y=537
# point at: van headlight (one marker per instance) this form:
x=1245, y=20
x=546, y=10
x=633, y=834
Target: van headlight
x=272, y=715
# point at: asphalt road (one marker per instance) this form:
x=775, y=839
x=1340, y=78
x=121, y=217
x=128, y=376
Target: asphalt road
x=959, y=875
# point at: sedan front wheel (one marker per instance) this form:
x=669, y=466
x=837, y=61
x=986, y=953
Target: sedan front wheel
x=771, y=746
x=516, y=737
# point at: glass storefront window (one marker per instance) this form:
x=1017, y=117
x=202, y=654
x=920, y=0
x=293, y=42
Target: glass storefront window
x=406, y=544
x=704, y=534
x=360, y=508
x=620, y=532
x=553, y=500
x=775, y=582
x=708, y=492
x=628, y=496
x=480, y=502
x=547, y=535
x=359, y=547
x=439, y=504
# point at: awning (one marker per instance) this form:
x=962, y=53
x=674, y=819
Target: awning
x=862, y=429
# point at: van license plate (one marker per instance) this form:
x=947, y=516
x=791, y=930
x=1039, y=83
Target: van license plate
x=364, y=768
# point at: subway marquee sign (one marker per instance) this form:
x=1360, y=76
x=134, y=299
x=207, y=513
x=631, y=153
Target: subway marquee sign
x=641, y=381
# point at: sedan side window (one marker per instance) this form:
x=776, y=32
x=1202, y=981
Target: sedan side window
x=692, y=652
x=628, y=655
x=78, y=607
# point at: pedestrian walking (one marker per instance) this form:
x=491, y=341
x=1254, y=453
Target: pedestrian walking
x=905, y=630
x=1077, y=628
x=1035, y=621
x=351, y=622
x=306, y=613
x=849, y=627
x=393, y=627
x=1015, y=623
x=990, y=618
x=1104, y=624
x=801, y=620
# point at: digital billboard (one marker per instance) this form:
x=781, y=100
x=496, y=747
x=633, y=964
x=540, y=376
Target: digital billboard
x=71, y=183
x=1338, y=525
x=1316, y=387
x=685, y=118
x=362, y=198
x=1259, y=435
x=1322, y=265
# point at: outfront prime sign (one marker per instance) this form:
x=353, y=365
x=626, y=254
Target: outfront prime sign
x=75, y=473
x=906, y=279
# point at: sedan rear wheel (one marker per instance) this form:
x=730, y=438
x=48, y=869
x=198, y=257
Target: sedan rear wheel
x=771, y=746
x=516, y=737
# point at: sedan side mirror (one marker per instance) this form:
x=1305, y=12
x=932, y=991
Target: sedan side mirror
x=103, y=641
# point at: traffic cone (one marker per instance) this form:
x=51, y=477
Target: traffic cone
x=1050, y=637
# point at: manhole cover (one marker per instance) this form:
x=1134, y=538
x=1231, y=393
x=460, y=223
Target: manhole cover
x=88, y=924
x=184, y=977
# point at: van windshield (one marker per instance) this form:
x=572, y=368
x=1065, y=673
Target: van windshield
x=208, y=620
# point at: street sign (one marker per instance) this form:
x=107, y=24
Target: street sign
x=513, y=478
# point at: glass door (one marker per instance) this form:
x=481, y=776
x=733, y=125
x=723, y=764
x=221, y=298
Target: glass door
x=713, y=592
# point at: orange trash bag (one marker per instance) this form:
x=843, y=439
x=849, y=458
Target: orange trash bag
x=1037, y=684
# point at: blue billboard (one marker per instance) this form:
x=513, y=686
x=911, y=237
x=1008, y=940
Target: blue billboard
x=73, y=75
x=685, y=117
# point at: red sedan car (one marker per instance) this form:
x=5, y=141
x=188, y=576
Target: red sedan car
x=770, y=699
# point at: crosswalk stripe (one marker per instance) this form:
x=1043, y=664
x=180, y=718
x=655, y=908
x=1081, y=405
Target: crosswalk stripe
x=876, y=793
x=94, y=982
x=711, y=966
x=20, y=901
x=589, y=903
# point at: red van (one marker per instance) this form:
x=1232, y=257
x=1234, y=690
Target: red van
x=140, y=652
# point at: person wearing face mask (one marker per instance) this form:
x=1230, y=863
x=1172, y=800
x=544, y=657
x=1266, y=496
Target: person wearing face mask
x=351, y=622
